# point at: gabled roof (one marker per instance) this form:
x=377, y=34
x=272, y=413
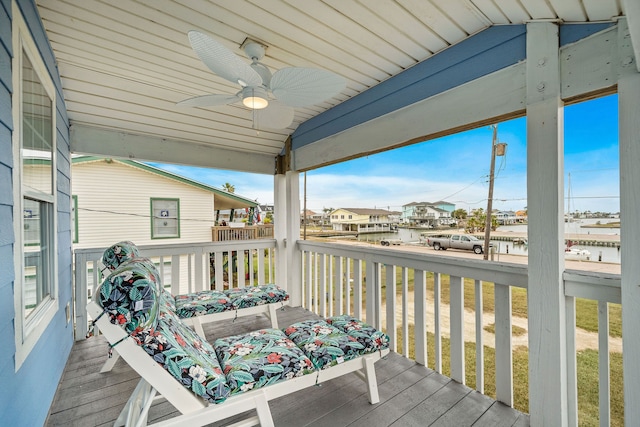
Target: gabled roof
x=222, y=199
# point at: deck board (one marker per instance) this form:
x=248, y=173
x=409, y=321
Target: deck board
x=410, y=394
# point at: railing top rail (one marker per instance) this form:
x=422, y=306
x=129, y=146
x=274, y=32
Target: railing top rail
x=501, y=273
x=181, y=248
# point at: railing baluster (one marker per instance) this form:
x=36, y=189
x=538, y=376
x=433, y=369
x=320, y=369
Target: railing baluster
x=437, y=330
x=199, y=270
x=240, y=268
x=175, y=274
x=316, y=280
x=391, y=306
x=405, y=311
x=339, y=286
x=572, y=362
x=330, y=260
x=190, y=282
x=420, y=315
x=218, y=257
x=456, y=307
x=82, y=320
x=260, y=262
x=603, y=364
x=479, y=340
x=357, y=288
x=308, y=283
x=347, y=275
x=322, y=296
x=504, y=353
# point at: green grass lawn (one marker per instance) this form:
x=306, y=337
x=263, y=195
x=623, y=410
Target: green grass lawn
x=587, y=361
x=587, y=377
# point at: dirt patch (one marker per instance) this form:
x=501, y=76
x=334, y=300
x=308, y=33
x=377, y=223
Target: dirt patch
x=584, y=339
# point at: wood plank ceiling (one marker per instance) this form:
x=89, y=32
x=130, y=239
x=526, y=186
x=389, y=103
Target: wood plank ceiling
x=125, y=63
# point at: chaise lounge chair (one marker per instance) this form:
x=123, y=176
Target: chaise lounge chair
x=206, y=382
x=199, y=308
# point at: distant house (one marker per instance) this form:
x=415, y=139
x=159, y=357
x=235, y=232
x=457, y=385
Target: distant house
x=427, y=214
x=363, y=220
x=117, y=200
x=505, y=217
x=445, y=206
x=311, y=217
x=521, y=215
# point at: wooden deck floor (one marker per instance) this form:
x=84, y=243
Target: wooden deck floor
x=410, y=394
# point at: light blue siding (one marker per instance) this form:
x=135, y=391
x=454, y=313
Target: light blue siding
x=493, y=49
x=26, y=395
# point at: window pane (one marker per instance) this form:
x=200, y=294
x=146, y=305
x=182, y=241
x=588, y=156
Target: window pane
x=37, y=134
x=38, y=253
x=166, y=221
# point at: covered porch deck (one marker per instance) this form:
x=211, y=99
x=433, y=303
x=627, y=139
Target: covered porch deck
x=410, y=394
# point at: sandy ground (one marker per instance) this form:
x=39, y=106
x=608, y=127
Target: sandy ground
x=584, y=339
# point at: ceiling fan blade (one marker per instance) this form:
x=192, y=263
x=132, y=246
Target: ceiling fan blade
x=275, y=116
x=222, y=61
x=208, y=100
x=300, y=87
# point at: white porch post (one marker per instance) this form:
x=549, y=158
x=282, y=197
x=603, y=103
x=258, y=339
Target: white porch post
x=280, y=228
x=287, y=229
x=629, y=134
x=294, y=257
x=545, y=194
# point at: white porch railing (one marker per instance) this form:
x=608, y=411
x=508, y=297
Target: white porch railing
x=347, y=279
x=184, y=267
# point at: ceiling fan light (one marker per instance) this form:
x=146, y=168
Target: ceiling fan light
x=254, y=98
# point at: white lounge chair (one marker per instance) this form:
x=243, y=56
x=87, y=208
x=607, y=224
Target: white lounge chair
x=207, y=383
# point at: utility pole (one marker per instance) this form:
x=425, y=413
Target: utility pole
x=487, y=226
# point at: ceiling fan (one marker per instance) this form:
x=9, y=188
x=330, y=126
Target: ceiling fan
x=270, y=96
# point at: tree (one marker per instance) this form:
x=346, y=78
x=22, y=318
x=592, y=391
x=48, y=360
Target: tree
x=459, y=214
x=229, y=188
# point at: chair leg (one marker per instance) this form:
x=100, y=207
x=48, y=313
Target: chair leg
x=273, y=316
x=263, y=410
x=197, y=326
x=110, y=363
x=372, y=383
x=136, y=409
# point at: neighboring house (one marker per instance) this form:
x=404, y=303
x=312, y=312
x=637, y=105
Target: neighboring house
x=445, y=206
x=311, y=217
x=427, y=214
x=521, y=216
x=116, y=200
x=129, y=200
x=505, y=217
x=362, y=220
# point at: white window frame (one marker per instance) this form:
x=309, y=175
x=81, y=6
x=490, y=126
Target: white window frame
x=29, y=330
x=155, y=218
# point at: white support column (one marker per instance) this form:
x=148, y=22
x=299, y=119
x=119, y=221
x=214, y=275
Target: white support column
x=293, y=255
x=545, y=195
x=280, y=228
x=629, y=134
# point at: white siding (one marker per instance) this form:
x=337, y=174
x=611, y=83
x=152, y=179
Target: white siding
x=114, y=204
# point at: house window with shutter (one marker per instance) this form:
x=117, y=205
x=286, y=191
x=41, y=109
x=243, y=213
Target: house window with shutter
x=165, y=218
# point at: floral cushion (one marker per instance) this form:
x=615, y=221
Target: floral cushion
x=186, y=356
x=260, y=358
x=371, y=338
x=326, y=345
x=201, y=303
x=129, y=296
x=119, y=253
x=256, y=295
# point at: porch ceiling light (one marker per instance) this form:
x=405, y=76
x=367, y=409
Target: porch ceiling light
x=254, y=98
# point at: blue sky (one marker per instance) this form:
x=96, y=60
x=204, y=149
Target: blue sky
x=456, y=168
